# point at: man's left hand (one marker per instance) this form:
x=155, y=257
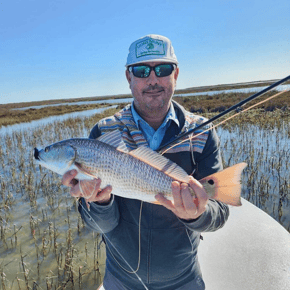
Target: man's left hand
x=184, y=205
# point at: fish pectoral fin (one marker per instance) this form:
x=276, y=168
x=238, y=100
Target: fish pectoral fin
x=114, y=139
x=84, y=170
x=160, y=162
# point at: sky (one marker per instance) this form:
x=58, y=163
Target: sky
x=60, y=49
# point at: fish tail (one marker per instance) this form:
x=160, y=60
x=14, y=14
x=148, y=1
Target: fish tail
x=225, y=186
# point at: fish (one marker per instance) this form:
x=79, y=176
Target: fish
x=137, y=174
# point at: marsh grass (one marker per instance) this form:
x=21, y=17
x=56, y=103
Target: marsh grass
x=200, y=104
x=222, y=87
x=10, y=117
x=220, y=102
x=44, y=243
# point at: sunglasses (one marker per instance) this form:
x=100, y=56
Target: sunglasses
x=143, y=71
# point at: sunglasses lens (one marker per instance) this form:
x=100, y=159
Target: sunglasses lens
x=164, y=70
x=141, y=71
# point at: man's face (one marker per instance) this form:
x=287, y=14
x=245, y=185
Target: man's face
x=152, y=95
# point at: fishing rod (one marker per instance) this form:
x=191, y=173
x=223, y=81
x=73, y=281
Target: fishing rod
x=234, y=107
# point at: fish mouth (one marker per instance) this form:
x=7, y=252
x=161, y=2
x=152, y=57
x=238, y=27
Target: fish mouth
x=36, y=154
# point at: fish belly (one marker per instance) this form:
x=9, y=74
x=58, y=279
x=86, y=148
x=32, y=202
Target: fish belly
x=128, y=176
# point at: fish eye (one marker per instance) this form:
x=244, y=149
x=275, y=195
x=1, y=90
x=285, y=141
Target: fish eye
x=211, y=182
x=46, y=149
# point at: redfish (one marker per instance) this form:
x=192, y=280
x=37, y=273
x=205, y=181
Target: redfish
x=137, y=174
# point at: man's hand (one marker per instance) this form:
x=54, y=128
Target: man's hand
x=89, y=189
x=184, y=205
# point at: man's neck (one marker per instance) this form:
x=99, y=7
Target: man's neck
x=155, y=119
x=155, y=123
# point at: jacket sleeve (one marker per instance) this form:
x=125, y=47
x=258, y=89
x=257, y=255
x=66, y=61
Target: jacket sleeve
x=209, y=162
x=101, y=218
x=214, y=218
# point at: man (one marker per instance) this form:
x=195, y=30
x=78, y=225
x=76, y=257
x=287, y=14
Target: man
x=151, y=246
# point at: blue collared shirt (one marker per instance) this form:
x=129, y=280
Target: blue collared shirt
x=153, y=137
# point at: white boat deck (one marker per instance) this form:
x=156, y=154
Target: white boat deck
x=251, y=252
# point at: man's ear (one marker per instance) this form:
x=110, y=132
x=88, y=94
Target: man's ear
x=176, y=73
x=128, y=76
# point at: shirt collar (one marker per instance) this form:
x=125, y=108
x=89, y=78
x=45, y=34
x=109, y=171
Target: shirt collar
x=171, y=115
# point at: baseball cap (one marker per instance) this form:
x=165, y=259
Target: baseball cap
x=151, y=47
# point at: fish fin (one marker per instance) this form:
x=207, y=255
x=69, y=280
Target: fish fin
x=161, y=163
x=114, y=139
x=83, y=170
x=87, y=188
x=225, y=185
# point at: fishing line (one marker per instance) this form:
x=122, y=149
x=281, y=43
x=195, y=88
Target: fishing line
x=133, y=271
x=214, y=126
x=139, y=259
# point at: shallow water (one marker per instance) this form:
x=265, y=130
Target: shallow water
x=246, y=90
x=52, y=119
x=112, y=101
x=44, y=244
x=43, y=241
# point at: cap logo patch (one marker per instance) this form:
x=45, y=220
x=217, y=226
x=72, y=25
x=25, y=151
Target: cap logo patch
x=149, y=47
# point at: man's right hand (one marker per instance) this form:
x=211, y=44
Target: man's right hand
x=89, y=189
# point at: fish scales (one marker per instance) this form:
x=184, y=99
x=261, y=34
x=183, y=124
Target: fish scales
x=128, y=176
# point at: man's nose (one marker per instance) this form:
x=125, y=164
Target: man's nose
x=152, y=78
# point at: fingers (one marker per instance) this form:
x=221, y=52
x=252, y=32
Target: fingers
x=188, y=200
x=75, y=190
x=176, y=189
x=101, y=196
x=185, y=205
x=184, y=202
x=68, y=178
x=201, y=194
x=165, y=202
x=89, y=189
x=177, y=205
